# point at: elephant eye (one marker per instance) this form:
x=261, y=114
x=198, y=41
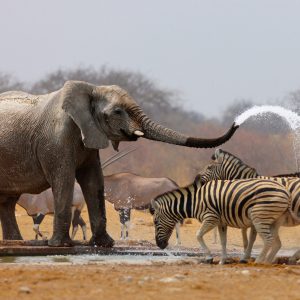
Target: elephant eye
x=118, y=111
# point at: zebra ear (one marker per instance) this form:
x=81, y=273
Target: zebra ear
x=151, y=210
x=153, y=206
x=218, y=156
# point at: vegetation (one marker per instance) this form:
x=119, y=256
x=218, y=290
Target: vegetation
x=265, y=144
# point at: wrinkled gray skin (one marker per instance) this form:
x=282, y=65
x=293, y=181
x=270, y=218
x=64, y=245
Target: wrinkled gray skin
x=39, y=205
x=49, y=140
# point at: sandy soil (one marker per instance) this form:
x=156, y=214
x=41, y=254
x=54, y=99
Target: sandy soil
x=158, y=280
x=150, y=282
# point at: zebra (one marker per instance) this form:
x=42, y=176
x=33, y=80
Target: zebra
x=227, y=166
x=262, y=204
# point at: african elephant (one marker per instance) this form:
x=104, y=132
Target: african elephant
x=49, y=140
x=39, y=205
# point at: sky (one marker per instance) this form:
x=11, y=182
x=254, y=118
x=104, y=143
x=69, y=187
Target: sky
x=212, y=52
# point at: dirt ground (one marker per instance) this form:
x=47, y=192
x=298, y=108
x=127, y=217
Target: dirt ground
x=159, y=280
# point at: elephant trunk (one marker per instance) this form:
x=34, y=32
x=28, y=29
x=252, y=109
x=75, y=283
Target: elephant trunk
x=154, y=131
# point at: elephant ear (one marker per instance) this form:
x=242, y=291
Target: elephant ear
x=77, y=96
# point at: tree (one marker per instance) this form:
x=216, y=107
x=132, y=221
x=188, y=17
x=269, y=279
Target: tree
x=293, y=101
x=8, y=83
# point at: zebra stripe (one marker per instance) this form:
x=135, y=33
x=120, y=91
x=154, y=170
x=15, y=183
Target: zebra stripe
x=261, y=203
x=228, y=166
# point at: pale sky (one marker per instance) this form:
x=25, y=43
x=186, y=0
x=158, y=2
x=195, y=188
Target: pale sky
x=212, y=51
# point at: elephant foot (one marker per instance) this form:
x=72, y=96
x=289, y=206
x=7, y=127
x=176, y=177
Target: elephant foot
x=12, y=236
x=103, y=240
x=60, y=242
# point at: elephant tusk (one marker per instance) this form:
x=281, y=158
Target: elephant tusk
x=139, y=133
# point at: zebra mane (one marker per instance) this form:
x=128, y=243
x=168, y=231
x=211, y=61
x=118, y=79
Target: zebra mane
x=296, y=174
x=197, y=181
x=228, y=154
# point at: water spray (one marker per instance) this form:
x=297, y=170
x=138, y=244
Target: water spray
x=292, y=118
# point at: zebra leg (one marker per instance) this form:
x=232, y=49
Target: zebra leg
x=252, y=238
x=265, y=232
x=178, y=239
x=205, y=228
x=275, y=248
x=276, y=244
x=245, y=238
x=37, y=220
x=223, y=239
x=215, y=241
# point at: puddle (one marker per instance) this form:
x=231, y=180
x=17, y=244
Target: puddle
x=89, y=259
x=137, y=257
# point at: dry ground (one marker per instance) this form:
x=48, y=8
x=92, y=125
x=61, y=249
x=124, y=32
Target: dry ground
x=156, y=281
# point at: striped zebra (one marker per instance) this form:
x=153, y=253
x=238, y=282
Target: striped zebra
x=227, y=166
x=263, y=204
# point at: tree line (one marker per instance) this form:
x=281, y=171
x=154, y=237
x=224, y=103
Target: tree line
x=266, y=144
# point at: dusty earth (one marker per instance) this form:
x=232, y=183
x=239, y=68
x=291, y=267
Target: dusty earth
x=158, y=280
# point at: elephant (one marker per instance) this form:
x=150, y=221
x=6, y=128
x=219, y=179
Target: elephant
x=39, y=205
x=52, y=139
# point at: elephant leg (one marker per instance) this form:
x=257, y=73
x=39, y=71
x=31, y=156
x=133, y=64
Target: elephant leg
x=10, y=229
x=62, y=188
x=90, y=179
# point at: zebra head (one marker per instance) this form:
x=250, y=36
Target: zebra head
x=163, y=222
x=214, y=170
x=210, y=172
x=225, y=165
